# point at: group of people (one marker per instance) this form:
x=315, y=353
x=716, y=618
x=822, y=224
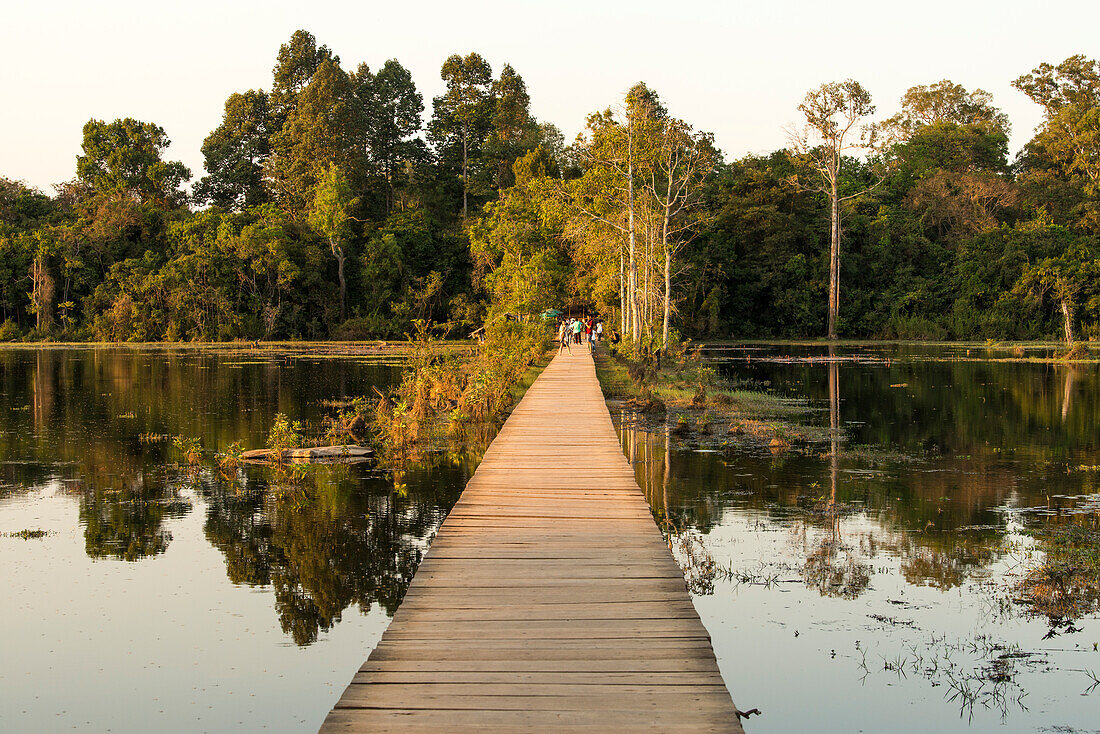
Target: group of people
x=573, y=331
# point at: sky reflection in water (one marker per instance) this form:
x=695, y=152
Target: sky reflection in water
x=172, y=598
x=862, y=594
x=864, y=583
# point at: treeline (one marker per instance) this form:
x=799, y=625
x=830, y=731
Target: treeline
x=331, y=208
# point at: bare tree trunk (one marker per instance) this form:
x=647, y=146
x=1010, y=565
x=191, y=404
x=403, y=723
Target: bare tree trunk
x=668, y=296
x=42, y=292
x=668, y=262
x=622, y=294
x=465, y=175
x=1067, y=314
x=338, y=251
x=635, y=324
x=834, y=260
x=646, y=320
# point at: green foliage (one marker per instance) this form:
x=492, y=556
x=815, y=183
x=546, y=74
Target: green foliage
x=190, y=449
x=125, y=156
x=519, y=244
x=284, y=434
x=9, y=332
x=335, y=212
x=235, y=153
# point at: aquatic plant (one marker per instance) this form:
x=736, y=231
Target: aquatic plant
x=190, y=448
x=284, y=435
x=442, y=390
x=229, y=461
x=29, y=534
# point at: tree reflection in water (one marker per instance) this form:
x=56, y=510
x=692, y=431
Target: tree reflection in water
x=824, y=569
x=97, y=422
x=127, y=522
x=328, y=544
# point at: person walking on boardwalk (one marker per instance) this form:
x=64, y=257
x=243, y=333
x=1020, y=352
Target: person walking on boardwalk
x=578, y=326
x=563, y=338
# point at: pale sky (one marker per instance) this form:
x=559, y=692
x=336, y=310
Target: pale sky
x=737, y=69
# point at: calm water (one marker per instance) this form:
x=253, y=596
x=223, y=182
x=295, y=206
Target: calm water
x=874, y=592
x=171, y=599
x=867, y=593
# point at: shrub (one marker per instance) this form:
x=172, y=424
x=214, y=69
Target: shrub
x=9, y=331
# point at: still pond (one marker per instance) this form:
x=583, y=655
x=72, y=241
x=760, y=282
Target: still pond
x=865, y=580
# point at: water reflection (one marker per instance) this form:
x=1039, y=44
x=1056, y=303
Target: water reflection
x=98, y=422
x=927, y=478
x=125, y=519
x=924, y=460
x=833, y=566
x=323, y=548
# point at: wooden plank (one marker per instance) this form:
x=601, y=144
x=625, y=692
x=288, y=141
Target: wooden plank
x=515, y=666
x=544, y=678
x=548, y=599
x=386, y=721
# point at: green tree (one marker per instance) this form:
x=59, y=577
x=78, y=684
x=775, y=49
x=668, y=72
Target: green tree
x=1060, y=166
x=462, y=115
x=295, y=65
x=947, y=102
x=514, y=131
x=1063, y=279
x=321, y=130
x=235, y=153
x=518, y=243
x=835, y=127
x=393, y=108
x=330, y=218
x=126, y=156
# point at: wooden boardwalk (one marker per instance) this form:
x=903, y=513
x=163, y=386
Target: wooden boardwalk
x=548, y=600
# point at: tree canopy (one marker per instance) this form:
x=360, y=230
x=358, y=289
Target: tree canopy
x=334, y=205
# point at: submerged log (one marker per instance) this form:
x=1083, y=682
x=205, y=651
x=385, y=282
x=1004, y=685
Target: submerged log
x=311, y=453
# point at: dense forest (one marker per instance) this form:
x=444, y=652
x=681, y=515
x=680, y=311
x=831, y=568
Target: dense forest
x=330, y=208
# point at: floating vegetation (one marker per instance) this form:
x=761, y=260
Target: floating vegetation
x=1065, y=584
x=229, y=461
x=154, y=438
x=29, y=534
x=190, y=448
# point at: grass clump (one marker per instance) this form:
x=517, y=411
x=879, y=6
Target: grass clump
x=687, y=385
x=444, y=389
x=30, y=534
x=1066, y=584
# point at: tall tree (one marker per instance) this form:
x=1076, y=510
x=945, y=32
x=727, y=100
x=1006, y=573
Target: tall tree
x=947, y=102
x=835, y=126
x=393, y=108
x=462, y=114
x=125, y=156
x=295, y=65
x=618, y=156
x=1062, y=162
x=514, y=131
x=235, y=153
x=684, y=161
x=322, y=129
x=330, y=217
x=951, y=161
